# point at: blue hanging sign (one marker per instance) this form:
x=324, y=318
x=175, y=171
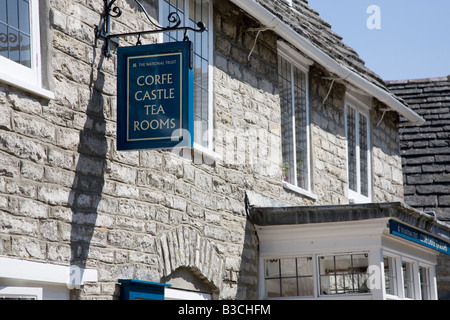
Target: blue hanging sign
x=155, y=96
x=414, y=235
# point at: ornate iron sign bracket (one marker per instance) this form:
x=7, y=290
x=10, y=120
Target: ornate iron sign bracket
x=111, y=11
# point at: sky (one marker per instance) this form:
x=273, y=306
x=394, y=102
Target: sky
x=405, y=39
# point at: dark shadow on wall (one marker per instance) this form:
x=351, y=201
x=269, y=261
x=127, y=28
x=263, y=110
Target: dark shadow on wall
x=248, y=287
x=248, y=280
x=89, y=180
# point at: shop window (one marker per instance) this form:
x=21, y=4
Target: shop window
x=191, y=12
x=358, y=153
x=20, y=55
x=344, y=274
x=289, y=277
x=408, y=279
x=293, y=87
x=390, y=276
x=425, y=283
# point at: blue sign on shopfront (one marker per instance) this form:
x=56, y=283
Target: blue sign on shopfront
x=155, y=96
x=414, y=235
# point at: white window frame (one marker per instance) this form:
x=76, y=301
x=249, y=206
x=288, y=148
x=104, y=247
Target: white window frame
x=335, y=295
x=302, y=64
x=429, y=271
x=399, y=260
x=206, y=151
x=316, y=277
x=21, y=293
x=360, y=108
x=314, y=267
x=396, y=275
x=17, y=75
x=415, y=277
x=181, y=294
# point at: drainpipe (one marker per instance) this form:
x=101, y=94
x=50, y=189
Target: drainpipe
x=270, y=21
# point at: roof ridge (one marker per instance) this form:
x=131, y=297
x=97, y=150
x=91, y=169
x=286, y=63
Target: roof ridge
x=420, y=80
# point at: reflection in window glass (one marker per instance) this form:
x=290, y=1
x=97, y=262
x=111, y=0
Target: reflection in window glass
x=425, y=284
x=344, y=274
x=408, y=279
x=15, y=32
x=294, y=124
x=289, y=277
x=357, y=126
x=351, y=139
x=390, y=276
x=363, y=158
x=196, y=10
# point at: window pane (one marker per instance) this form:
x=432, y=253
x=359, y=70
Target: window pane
x=408, y=279
x=343, y=274
x=390, y=276
x=301, y=129
x=360, y=265
x=25, y=50
x=13, y=40
x=198, y=11
x=363, y=149
x=288, y=268
x=287, y=133
x=306, y=286
x=273, y=289
x=351, y=140
x=327, y=275
x=272, y=268
x=13, y=13
x=343, y=283
x=4, y=40
x=289, y=277
x=288, y=287
x=424, y=274
x=15, y=43
x=3, y=12
x=24, y=16
x=304, y=267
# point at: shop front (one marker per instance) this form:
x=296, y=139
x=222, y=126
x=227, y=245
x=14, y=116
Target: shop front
x=372, y=252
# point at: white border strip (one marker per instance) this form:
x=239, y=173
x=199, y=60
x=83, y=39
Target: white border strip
x=45, y=272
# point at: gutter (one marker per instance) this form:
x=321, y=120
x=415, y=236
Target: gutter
x=265, y=17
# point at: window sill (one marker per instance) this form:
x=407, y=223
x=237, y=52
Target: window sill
x=28, y=87
x=198, y=154
x=207, y=154
x=356, y=198
x=300, y=191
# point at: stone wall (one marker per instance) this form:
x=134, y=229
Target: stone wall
x=67, y=196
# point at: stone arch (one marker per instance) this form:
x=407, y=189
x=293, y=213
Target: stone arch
x=185, y=247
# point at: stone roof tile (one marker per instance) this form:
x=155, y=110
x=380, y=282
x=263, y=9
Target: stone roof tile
x=307, y=22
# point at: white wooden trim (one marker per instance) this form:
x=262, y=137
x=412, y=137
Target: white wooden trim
x=21, y=292
x=17, y=75
x=176, y=294
x=44, y=272
x=287, y=52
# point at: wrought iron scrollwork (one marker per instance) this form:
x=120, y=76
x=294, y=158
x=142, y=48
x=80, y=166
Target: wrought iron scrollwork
x=103, y=30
